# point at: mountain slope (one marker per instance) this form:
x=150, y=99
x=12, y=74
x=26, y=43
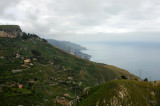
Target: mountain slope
x=69, y=47
x=65, y=44
x=33, y=72
x=123, y=93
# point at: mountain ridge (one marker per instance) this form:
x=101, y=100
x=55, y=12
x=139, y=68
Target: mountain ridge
x=70, y=47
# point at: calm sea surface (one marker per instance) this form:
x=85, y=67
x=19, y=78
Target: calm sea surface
x=141, y=59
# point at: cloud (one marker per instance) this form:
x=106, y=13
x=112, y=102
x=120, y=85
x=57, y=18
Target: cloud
x=65, y=18
x=6, y=3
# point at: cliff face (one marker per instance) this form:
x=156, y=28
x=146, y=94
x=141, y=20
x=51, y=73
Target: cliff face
x=10, y=31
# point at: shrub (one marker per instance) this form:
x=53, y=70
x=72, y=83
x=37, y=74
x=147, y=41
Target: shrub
x=146, y=79
x=124, y=77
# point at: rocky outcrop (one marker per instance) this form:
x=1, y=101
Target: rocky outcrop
x=124, y=93
x=10, y=31
x=121, y=98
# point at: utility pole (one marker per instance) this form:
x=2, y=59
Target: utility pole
x=140, y=72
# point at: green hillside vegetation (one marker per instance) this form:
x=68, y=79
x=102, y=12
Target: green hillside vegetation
x=33, y=72
x=123, y=93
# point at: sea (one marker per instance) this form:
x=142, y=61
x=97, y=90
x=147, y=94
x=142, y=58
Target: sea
x=139, y=58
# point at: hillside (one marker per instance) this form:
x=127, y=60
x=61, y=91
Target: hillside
x=33, y=72
x=69, y=47
x=123, y=93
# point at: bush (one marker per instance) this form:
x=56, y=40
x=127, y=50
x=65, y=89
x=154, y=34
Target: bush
x=45, y=40
x=146, y=79
x=57, y=60
x=124, y=77
x=35, y=53
x=26, y=36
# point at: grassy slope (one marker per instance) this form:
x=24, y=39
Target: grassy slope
x=10, y=28
x=123, y=92
x=51, y=62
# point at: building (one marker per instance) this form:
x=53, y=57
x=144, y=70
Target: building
x=20, y=85
x=27, y=60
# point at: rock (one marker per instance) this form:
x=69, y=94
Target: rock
x=80, y=83
x=10, y=31
x=2, y=57
x=17, y=56
x=86, y=90
x=18, y=70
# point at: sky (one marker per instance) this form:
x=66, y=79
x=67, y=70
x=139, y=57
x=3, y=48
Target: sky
x=85, y=20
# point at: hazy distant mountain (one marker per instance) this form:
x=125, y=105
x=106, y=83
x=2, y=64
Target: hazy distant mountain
x=69, y=47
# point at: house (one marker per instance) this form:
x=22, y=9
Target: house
x=70, y=78
x=31, y=64
x=66, y=94
x=20, y=85
x=66, y=89
x=27, y=60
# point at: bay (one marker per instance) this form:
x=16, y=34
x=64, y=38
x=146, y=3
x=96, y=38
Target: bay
x=139, y=58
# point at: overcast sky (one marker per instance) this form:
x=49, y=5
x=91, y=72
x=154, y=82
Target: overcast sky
x=78, y=20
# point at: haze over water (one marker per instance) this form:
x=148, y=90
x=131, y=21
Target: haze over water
x=132, y=56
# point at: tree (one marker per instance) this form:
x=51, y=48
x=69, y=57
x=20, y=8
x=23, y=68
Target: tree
x=124, y=77
x=146, y=79
x=35, y=53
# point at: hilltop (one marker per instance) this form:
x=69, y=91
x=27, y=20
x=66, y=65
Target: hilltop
x=10, y=28
x=10, y=31
x=123, y=93
x=33, y=72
